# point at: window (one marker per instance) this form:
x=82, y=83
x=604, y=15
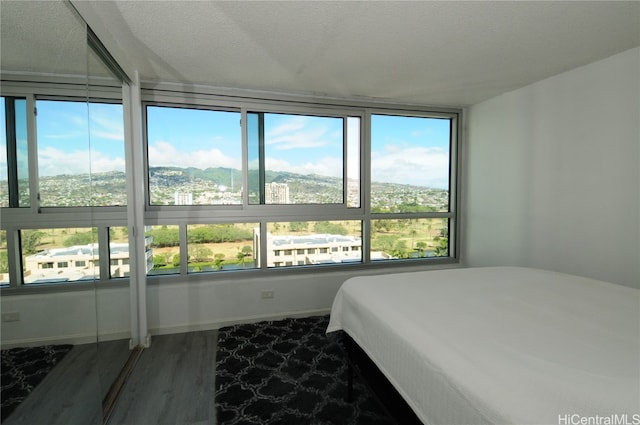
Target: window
x=233, y=184
x=59, y=255
x=325, y=185
x=326, y=237
x=119, y=252
x=164, y=244
x=410, y=197
x=197, y=162
x=410, y=164
x=215, y=247
x=80, y=154
x=4, y=260
x=62, y=160
x=409, y=238
x=300, y=159
x=14, y=160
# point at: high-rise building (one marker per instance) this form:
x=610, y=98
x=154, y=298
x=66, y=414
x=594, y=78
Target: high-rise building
x=276, y=193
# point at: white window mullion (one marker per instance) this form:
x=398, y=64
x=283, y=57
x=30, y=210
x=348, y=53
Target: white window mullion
x=245, y=157
x=14, y=258
x=32, y=146
x=135, y=166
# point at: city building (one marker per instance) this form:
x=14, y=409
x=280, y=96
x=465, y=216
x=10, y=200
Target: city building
x=78, y=262
x=276, y=193
x=182, y=198
x=546, y=171
x=293, y=250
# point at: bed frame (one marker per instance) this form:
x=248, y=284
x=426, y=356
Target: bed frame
x=386, y=395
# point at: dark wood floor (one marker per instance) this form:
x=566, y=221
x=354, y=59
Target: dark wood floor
x=173, y=383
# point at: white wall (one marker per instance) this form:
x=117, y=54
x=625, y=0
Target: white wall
x=218, y=301
x=197, y=304
x=73, y=317
x=552, y=176
x=551, y=181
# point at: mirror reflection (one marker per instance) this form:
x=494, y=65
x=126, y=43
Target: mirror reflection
x=63, y=230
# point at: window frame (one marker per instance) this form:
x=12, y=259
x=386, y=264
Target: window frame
x=452, y=213
x=234, y=100
x=35, y=216
x=211, y=98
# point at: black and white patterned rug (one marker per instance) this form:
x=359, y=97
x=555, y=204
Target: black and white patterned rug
x=23, y=369
x=288, y=372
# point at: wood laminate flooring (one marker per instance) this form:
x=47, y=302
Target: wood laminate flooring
x=72, y=392
x=173, y=382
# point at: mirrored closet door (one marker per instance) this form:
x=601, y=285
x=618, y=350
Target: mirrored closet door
x=64, y=260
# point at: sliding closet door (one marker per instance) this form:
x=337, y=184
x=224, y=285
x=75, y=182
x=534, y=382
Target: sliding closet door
x=64, y=257
x=50, y=238
x=109, y=191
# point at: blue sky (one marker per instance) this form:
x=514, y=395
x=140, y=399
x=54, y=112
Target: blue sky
x=74, y=139
x=410, y=150
x=407, y=150
x=404, y=149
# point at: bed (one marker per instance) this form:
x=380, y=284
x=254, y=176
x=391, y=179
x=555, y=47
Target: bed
x=499, y=345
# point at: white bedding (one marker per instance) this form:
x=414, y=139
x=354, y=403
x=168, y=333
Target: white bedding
x=500, y=345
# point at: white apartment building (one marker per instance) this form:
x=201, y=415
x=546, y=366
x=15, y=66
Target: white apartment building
x=78, y=262
x=288, y=250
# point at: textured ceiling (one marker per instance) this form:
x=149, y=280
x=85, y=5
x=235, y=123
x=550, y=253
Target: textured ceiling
x=41, y=37
x=426, y=52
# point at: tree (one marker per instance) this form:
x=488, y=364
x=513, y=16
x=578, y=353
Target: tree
x=159, y=261
x=243, y=253
x=218, y=260
x=298, y=226
x=400, y=249
x=413, y=233
x=240, y=257
x=164, y=236
x=199, y=253
x=442, y=250
x=4, y=262
x=81, y=238
x=382, y=225
x=420, y=247
x=383, y=243
x=329, y=228
x=30, y=241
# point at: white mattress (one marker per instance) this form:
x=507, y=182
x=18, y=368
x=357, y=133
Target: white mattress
x=499, y=345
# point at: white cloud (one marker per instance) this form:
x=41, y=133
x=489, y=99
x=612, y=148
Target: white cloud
x=417, y=165
x=105, y=128
x=69, y=135
x=52, y=161
x=102, y=164
x=327, y=166
x=297, y=133
x=300, y=139
x=165, y=154
x=293, y=124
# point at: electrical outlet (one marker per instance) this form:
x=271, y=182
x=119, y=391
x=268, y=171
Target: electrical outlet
x=11, y=317
x=267, y=294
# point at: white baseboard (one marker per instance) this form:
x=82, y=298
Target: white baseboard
x=78, y=339
x=75, y=339
x=206, y=326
